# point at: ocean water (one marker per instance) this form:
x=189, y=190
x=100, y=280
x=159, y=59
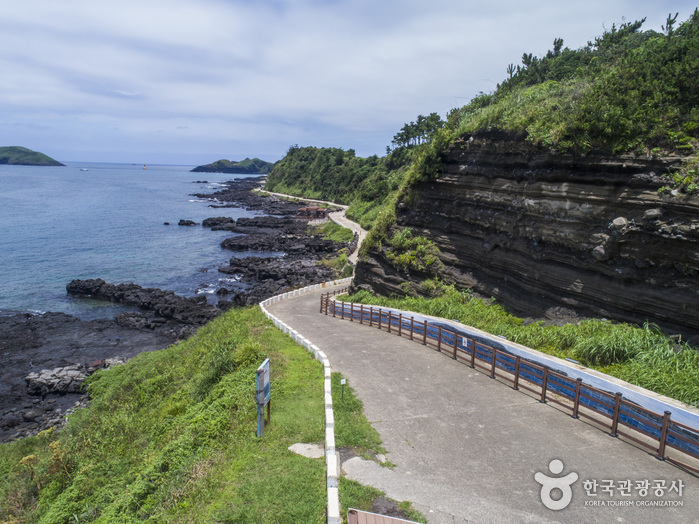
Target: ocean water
x=90, y=220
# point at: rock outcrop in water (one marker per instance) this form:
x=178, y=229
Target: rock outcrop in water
x=539, y=230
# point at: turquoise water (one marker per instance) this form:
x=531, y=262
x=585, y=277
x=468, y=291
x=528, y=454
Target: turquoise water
x=61, y=223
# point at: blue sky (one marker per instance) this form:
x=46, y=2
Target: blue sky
x=190, y=82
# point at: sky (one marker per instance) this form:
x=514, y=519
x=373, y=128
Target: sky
x=193, y=81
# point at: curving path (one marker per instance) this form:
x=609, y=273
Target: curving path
x=465, y=447
x=338, y=217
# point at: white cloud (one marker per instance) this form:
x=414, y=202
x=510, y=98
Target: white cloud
x=225, y=77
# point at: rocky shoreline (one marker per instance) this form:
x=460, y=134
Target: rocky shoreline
x=47, y=357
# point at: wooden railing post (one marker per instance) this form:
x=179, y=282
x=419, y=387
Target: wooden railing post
x=518, y=360
x=351, y=311
x=473, y=354
x=400, y=324
x=439, y=339
x=615, y=417
x=371, y=316
x=456, y=343
x=380, y=316
x=424, y=333
x=663, y=436
x=412, y=326
x=544, y=385
x=321, y=303
x=389, y=320
x=576, y=402
x=334, y=309
x=342, y=311
x=492, y=362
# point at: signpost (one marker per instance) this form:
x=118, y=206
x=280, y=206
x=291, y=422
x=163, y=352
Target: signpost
x=262, y=397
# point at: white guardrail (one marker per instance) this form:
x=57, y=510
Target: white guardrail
x=331, y=461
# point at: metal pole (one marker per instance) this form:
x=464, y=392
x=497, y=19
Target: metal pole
x=615, y=418
x=663, y=436
x=544, y=385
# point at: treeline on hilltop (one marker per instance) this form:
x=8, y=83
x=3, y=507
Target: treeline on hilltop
x=329, y=173
x=249, y=166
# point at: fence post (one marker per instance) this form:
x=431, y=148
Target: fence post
x=456, y=343
x=517, y=362
x=473, y=354
x=343, y=311
x=334, y=311
x=663, y=436
x=544, y=385
x=351, y=311
x=492, y=362
x=389, y=320
x=371, y=316
x=400, y=324
x=439, y=339
x=424, y=334
x=321, y=303
x=576, y=403
x=412, y=326
x=361, y=313
x=380, y=318
x=615, y=418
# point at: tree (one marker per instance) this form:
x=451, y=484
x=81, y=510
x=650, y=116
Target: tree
x=669, y=23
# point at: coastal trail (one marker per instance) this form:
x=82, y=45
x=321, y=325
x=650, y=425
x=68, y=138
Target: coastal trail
x=467, y=448
x=337, y=216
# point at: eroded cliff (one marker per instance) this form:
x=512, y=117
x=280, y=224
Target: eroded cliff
x=541, y=231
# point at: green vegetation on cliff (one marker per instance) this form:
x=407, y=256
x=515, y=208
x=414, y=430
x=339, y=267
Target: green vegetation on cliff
x=249, y=166
x=22, y=156
x=171, y=437
x=627, y=91
x=340, y=176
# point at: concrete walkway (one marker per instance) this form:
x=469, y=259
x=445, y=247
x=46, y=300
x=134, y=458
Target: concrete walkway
x=466, y=448
x=338, y=217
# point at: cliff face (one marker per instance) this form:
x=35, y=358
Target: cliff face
x=541, y=231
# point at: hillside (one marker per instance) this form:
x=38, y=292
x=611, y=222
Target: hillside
x=21, y=156
x=171, y=437
x=568, y=190
x=248, y=166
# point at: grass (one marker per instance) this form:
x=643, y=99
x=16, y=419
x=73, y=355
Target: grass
x=335, y=232
x=171, y=437
x=640, y=355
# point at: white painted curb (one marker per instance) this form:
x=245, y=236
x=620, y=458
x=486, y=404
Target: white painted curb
x=331, y=461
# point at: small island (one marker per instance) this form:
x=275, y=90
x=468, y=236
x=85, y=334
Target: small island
x=21, y=156
x=253, y=166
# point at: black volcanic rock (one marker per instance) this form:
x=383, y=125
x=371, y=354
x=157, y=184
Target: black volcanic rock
x=193, y=311
x=537, y=229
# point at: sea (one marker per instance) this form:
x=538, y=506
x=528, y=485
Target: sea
x=98, y=220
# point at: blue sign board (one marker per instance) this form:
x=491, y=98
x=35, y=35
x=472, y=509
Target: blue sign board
x=262, y=396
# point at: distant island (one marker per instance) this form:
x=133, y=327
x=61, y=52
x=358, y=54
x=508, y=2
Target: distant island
x=21, y=156
x=248, y=166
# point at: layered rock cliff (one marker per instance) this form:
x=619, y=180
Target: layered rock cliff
x=541, y=231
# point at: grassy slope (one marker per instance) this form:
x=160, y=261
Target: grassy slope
x=171, y=437
x=23, y=156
